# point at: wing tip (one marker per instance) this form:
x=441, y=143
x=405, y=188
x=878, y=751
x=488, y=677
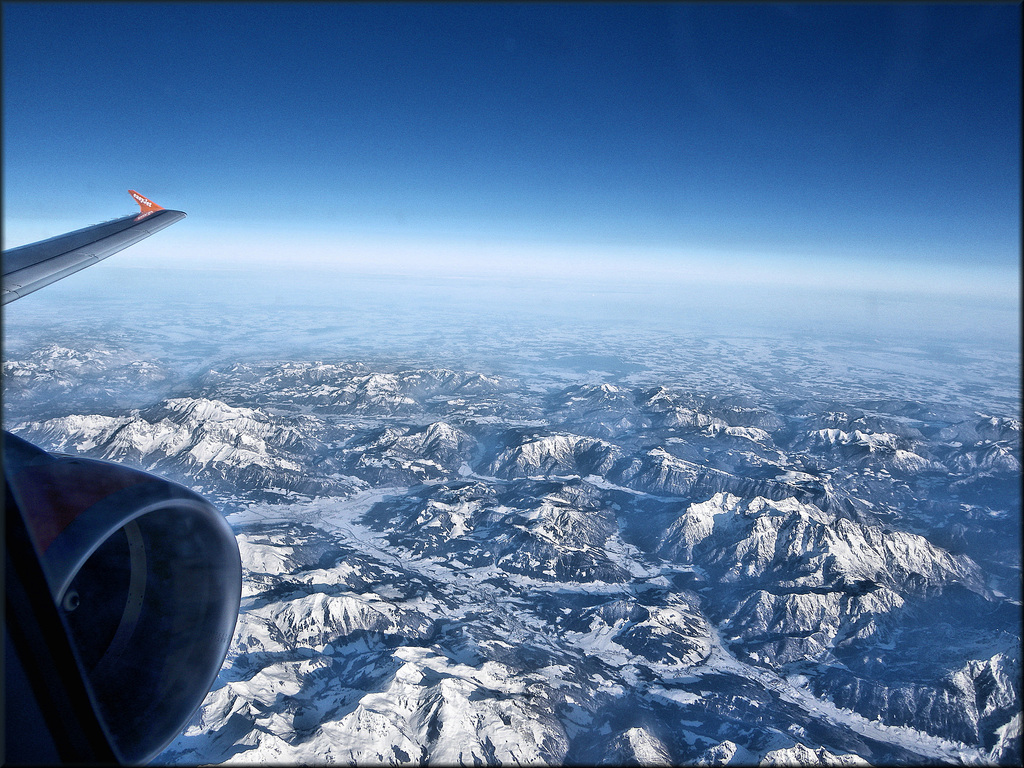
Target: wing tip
x=147, y=205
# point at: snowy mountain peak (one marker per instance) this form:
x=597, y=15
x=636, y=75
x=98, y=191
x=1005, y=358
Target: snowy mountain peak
x=803, y=546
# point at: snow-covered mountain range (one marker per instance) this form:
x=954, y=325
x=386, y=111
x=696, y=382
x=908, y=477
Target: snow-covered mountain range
x=458, y=567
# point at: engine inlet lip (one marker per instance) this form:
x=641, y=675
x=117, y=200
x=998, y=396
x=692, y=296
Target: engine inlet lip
x=67, y=554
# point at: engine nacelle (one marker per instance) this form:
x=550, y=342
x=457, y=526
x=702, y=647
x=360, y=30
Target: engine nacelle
x=147, y=576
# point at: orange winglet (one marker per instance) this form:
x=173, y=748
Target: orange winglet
x=147, y=205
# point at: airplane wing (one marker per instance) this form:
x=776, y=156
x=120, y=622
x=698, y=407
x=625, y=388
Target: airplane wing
x=121, y=588
x=31, y=267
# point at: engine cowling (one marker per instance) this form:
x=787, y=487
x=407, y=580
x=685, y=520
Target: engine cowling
x=147, y=576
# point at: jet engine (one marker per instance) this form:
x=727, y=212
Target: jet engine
x=145, y=578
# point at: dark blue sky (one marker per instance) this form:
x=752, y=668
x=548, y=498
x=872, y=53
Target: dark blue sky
x=835, y=132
